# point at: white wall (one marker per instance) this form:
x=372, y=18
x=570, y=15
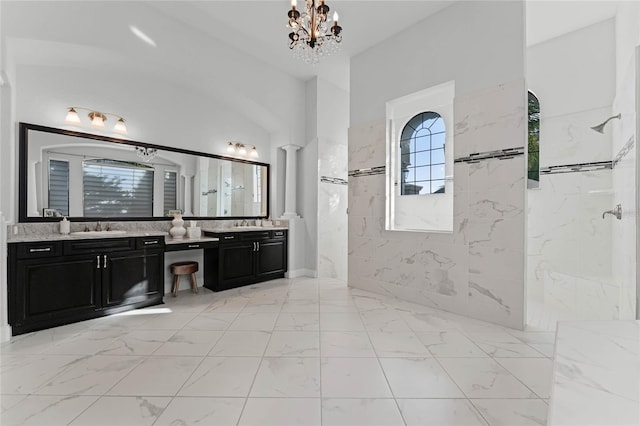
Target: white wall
x=190, y=91
x=480, y=36
x=478, y=270
x=569, y=271
x=5, y=189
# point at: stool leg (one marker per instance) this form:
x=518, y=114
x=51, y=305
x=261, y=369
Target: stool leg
x=176, y=281
x=194, y=283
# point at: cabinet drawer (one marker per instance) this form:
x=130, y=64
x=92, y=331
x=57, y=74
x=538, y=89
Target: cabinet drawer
x=156, y=242
x=98, y=246
x=279, y=234
x=39, y=249
x=255, y=236
x=227, y=237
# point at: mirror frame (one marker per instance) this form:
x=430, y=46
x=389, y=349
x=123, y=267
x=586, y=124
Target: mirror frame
x=24, y=129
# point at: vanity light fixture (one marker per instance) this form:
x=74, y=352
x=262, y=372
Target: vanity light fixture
x=241, y=149
x=97, y=119
x=146, y=154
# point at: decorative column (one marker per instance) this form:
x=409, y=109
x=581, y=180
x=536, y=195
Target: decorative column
x=290, y=181
x=188, y=195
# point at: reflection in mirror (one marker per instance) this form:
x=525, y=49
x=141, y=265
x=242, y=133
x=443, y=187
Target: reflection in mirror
x=87, y=176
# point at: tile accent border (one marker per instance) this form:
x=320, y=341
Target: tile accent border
x=369, y=171
x=333, y=180
x=580, y=167
x=501, y=154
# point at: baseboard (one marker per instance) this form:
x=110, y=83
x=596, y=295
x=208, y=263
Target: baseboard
x=5, y=333
x=301, y=273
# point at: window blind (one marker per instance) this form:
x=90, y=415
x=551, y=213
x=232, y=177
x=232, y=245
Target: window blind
x=59, y=186
x=170, y=192
x=117, y=190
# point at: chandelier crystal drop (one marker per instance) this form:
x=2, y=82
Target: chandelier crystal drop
x=312, y=35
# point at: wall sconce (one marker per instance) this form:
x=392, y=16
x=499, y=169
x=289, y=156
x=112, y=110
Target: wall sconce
x=238, y=148
x=97, y=119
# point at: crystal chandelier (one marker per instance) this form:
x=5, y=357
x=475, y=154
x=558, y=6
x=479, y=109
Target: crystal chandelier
x=311, y=36
x=146, y=154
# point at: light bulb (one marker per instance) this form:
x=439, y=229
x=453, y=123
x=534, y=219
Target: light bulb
x=120, y=127
x=335, y=18
x=72, y=117
x=242, y=150
x=97, y=120
x=293, y=4
x=230, y=148
x=253, y=153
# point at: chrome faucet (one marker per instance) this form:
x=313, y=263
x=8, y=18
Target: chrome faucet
x=617, y=212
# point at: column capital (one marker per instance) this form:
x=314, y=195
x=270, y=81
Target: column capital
x=290, y=147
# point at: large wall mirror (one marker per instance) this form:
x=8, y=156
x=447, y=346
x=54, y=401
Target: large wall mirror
x=92, y=177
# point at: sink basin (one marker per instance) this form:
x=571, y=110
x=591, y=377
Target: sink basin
x=90, y=233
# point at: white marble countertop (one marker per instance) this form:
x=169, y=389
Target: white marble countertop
x=81, y=236
x=245, y=229
x=596, y=374
x=169, y=240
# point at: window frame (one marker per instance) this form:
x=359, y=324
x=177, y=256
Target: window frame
x=419, y=214
x=411, y=142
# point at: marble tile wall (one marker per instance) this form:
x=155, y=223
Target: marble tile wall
x=332, y=209
x=625, y=145
x=478, y=269
x=569, y=248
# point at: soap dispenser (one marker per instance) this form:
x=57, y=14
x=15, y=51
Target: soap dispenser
x=65, y=226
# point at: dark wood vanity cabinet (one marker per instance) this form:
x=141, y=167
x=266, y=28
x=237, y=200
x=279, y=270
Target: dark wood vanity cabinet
x=248, y=257
x=59, y=282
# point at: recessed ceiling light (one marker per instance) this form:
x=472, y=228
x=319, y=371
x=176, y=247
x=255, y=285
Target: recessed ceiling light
x=142, y=36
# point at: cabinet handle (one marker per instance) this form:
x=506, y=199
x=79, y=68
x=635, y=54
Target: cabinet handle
x=104, y=261
x=98, y=262
x=35, y=250
x=257, y=246
x=193, y=246
x=146, y=243
x=229, y=237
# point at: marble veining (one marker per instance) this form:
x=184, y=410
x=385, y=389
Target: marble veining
x=478, y=269
x=23, y=232
x=337, y=355
x=596, y=374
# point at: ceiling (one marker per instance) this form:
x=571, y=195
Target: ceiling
x=256, y=29
x=547, y=19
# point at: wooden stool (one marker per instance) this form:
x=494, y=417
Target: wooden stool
x=184, y=268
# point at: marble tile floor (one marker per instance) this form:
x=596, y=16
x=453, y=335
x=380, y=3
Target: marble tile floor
x=288, y=352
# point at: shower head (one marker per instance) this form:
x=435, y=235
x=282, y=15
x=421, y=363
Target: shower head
x=600, y=127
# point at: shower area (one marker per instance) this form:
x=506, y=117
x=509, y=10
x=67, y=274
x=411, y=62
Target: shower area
x=582, y=208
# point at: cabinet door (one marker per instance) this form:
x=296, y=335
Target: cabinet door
x=132, y=277
x=54, y=288
x=236, y=264
x=272, y=257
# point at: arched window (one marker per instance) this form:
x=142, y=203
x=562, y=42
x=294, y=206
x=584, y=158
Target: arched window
x=422, y=155
x=533, y=149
